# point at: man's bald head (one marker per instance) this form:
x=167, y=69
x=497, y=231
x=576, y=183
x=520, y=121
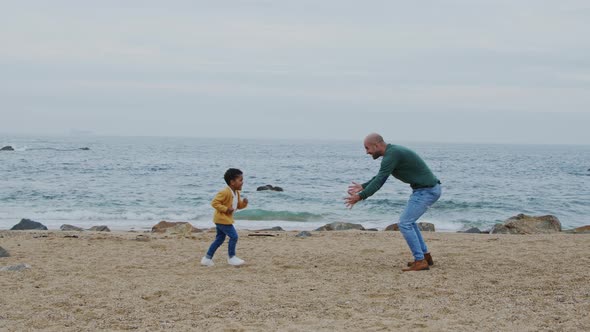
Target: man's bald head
x=374, y=138
x=375, y=145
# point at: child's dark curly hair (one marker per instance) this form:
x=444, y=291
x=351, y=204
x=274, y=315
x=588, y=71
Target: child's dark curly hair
x=231, y=174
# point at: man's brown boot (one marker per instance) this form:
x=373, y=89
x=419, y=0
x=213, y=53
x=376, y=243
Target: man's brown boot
x=428, y=259
x=417, y=266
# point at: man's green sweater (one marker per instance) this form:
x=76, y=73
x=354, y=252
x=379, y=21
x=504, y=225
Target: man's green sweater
x=405, y=165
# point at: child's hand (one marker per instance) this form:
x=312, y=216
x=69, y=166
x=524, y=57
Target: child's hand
x=230, y=210
x=245, y=200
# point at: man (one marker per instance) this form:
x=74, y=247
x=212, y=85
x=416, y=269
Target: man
x=406, y=166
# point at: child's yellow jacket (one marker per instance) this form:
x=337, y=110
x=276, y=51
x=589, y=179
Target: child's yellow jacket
x=221, y=203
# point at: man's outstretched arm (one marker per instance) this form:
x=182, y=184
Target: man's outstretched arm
x=387, y=166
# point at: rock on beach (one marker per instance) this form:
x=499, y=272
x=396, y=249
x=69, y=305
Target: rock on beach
x=175, y=227
x=4, y=253
x=28, y=224
x=101, y=228
x=524, y=224
x=340, y=226
x=66, y=227
x=423, y=226
x=17, y=267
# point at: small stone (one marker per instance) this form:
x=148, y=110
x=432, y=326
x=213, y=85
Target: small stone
x=422, y=226
x=143, y=238
x=4, y=253
x=392, y=227
x=472, y=230
x=17, y=267
x=102, y=228
x=303, y=234
x=273, y=229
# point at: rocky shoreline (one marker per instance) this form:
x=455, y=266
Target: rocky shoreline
x=519, y=224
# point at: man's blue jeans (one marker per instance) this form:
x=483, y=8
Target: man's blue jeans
x=420, y=200
x=222, y=232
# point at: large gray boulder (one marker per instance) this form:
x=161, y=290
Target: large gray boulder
x=340, y=226
x=26, y=224
x=423, y=226
x=524, y=224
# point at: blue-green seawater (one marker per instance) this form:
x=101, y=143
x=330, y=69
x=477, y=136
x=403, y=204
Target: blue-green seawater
x=134, y=182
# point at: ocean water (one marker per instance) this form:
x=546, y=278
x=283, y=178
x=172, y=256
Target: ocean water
x=134, y=182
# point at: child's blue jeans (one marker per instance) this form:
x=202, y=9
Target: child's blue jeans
x=419, y=202
x=222, y=232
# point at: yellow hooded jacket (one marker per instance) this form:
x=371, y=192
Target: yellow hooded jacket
x=222, y=202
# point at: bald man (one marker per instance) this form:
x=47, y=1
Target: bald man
x=406, y=166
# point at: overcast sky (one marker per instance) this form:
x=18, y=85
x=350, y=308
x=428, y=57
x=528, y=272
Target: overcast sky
x=438, y=71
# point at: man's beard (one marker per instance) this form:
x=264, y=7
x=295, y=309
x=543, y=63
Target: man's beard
x=376, y=155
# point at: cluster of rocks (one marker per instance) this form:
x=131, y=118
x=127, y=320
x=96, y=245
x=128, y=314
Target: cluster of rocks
x=10, y=148
x=525, y=224
x=28, y=224
x=519, y=224
x=343, y=226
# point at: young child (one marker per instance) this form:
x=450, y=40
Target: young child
x=225, y=203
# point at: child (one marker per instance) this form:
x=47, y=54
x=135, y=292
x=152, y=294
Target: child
x=225, y=203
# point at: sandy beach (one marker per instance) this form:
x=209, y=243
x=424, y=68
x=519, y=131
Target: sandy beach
x=331, y=281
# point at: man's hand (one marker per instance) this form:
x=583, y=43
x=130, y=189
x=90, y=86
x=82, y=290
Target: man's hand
x=245, y=200
x=351, y=200
x=354, y=188
x=230, y=210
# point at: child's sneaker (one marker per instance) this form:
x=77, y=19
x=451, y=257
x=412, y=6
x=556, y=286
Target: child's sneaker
x=235, y=261
x=207, y=261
